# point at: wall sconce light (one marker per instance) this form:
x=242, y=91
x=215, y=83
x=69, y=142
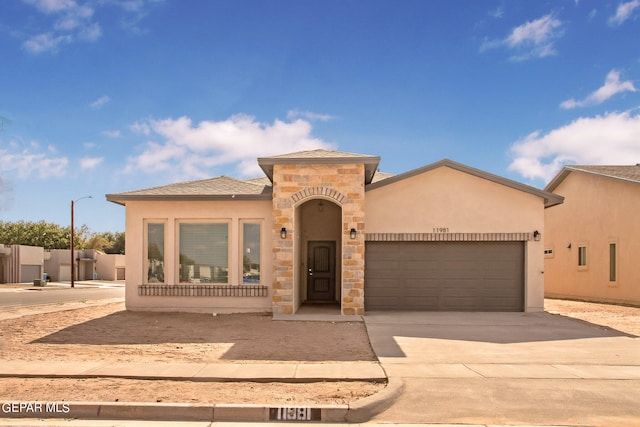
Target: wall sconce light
x=536, y=235
x=283, y=233
x=352, y=233
x=569, y=245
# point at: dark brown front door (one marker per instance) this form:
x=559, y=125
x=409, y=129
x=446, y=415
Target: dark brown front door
x=321, y=272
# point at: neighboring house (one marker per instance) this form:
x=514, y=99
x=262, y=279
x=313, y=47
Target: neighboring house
x=592, y=241
x=326, y=227
x=58, y=267
x=21, y=264
x=110, y=266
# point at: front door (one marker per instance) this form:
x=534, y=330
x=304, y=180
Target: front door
x=321, y=272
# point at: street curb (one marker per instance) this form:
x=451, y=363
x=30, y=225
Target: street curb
x=178, y=412
x=359, y=411
x=363, y=410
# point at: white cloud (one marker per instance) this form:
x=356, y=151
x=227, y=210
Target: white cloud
x=29, y=162
x=612, y=86
x=533, y=39
x=190, y=151
x=141, y=128
x=52, y=6
x=608, y=139
x=46, y=42
x=295, y=113
x=100, y=102
x=112, y=133
x=90, y=162
x=624, y=12
x=497, y=13
x=72, y=22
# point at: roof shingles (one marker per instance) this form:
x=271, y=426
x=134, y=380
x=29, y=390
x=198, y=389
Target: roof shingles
x=630, y=173
x=221, y=186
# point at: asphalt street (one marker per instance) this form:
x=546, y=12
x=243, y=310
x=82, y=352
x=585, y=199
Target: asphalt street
x=25, y=297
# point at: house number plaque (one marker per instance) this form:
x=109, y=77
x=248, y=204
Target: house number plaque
x=440, y=229
x=294, y=414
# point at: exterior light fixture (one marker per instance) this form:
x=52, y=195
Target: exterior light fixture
x=283, y=233
x=569, y=245
x=536, y=235
x=352, y=233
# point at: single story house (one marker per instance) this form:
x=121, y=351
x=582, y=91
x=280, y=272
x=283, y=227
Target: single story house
x=21, y=263
x=326, y=227
x=110, y=266
x=592, y=241
x=89, y=264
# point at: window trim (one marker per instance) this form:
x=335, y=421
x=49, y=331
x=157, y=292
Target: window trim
x=585, y=266
x=613, y=268
x=145, y=249
x=178, y=222
x=242, y=222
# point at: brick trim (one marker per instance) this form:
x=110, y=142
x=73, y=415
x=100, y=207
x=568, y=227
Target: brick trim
x=448, y=237
x=318, y=191
x=159, y=289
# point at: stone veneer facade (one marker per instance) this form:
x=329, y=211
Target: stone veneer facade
x=294, y=184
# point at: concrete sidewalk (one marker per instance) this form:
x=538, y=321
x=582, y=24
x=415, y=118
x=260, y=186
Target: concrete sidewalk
x=256, y=372
x=360, y=410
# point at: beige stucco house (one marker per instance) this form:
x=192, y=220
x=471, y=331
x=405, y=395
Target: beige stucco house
x=592, y=241
x=21, y=263
x=325, y=227
x=89, y=264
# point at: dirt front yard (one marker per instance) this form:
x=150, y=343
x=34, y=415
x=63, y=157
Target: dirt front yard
x=621, y=318
x=110, y=333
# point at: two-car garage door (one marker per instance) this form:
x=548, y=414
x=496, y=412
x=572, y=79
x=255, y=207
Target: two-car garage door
x=444, y=276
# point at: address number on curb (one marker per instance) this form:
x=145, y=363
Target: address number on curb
x=294, y=414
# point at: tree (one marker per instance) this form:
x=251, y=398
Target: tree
x=54, y=236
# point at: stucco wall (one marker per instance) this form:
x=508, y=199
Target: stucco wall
x=445, y=198
x=597, y=211
x=171, y=213
x=107, y=265
x=22, y=255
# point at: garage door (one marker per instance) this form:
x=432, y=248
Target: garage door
x=444, y=276
x=29, y=273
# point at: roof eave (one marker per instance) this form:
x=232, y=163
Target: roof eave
x=562, y=175
x=121, y=199
x=370, y=163
x=549, y=198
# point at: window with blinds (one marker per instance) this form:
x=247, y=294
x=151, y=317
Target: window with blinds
x=204, y=253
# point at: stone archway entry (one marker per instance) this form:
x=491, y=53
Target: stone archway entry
x=321, y=272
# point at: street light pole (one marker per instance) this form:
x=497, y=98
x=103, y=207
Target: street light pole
x=73, y=257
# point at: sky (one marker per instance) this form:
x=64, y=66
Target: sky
x=107, y=96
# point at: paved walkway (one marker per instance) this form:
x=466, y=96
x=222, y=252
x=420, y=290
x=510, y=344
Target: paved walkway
x=260, y=372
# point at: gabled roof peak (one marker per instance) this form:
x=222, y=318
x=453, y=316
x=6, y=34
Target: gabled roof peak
x=319, y=153
x=628, y=173
x=549, y=198
x=321, y=156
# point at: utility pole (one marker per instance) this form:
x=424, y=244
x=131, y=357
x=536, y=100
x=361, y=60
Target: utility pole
x=73, y=257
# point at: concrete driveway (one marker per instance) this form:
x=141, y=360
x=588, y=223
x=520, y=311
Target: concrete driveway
x=507, y=368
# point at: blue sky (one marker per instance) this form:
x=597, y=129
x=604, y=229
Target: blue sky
x=105, y=96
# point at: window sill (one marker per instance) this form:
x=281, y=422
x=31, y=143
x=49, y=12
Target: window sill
x=202, y=290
